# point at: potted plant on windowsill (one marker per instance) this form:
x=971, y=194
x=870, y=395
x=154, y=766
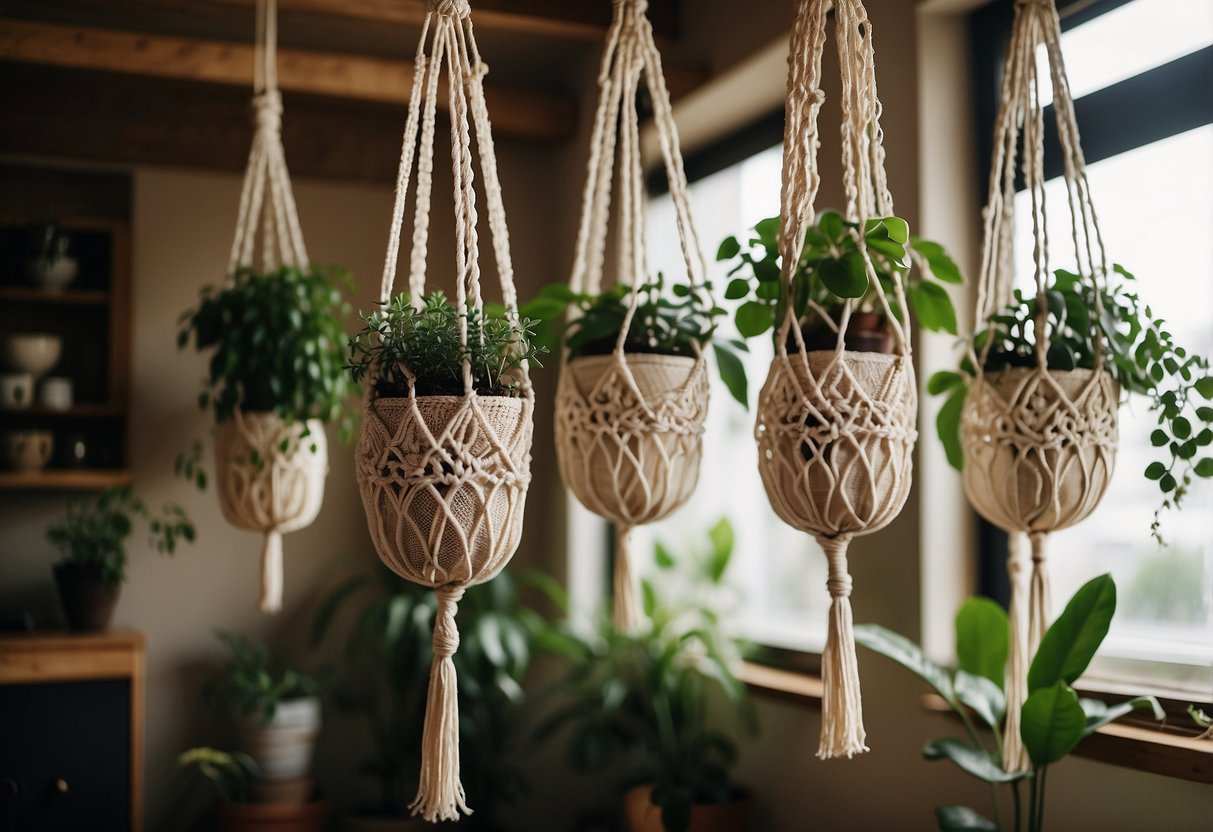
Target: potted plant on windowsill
x=1054, y=719
x=277, y=716
x=275, y=377
x=233, y=778
x=1141, y=357
x=386, y=659
x=93, y=539
x=643, y=694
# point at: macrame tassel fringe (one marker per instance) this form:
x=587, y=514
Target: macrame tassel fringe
x=1014, y=757
x=842, y=732
x=440, y=794
x=271, y=573
x=629, y=614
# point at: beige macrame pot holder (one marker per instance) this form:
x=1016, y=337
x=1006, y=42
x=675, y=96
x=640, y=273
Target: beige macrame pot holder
x=1039, y=447
x=629, y=441
x=443, y=484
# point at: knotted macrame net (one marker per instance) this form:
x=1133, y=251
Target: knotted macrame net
x=1039, y=444
x=270, y=472
x=444, y=479
x=836, y=428
x=629, y=426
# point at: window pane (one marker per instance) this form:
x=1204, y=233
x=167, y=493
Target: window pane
x=1128, y=41
x=1155, y=206
x=780, y=571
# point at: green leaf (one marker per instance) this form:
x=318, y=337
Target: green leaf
x=1158, y=438
x=1204, y=468
x=729, y=248
x=662, y=556
x=1099, y=713
x=947, y=426
x=907, y=654
x=753, y=318
x=831, y=225
x=732, y=373
x=650, y=597
x=1204, y=386
x=1155, y=471
x=970, y=759
x=1051, y=723
x=943, y=381
x=768, y=232
x=1181, y=428
x=1069, y=645
x=738, y=288
x=899, y=229
x=841, y=280
x=982, y=695
x=938, y=260
x=721, y=536
x=982, y=639
x=962, y=819
x=933, y=307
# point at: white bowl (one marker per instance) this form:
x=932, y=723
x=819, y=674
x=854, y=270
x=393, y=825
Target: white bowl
x=56, y=275
x=33, y=353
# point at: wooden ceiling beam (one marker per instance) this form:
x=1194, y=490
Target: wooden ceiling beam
x=516, y=112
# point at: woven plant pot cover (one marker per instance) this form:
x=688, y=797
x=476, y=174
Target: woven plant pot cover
x=444, y=483
x=270, y=480
x=838, y=464
x=629, y=441
x=1039, y=447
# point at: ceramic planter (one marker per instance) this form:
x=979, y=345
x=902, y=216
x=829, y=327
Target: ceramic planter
x=283, y=748
x=239, y=817
x=642, y=816
x=87, y=598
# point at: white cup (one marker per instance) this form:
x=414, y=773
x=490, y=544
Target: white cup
x=16, y=389
x=56, y=393
x=27, y=450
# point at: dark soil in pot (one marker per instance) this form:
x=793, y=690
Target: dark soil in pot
x=88, y=599
x=866, y=332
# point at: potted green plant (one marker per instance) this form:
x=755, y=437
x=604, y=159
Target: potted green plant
x=277, y=714
x=1141, y=357
x=386, y=659
x=275, y=377
x=643, y=695
x=1054, y=719
x=232, y=777
x=832, y=271
x=92, y=537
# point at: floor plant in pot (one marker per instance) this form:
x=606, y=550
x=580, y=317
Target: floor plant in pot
x=93, y=539
x=1053, y=719
x=275, y=378
x=663, y=699
x=386, y=658
x=277, y=714
x=232, y=779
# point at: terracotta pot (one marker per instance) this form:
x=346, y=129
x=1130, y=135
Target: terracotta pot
x=866, y=332
x=310, y=817
x=87, y=598
x=357, y=823
x=642, y=816
x=293, y=792
x=283, y=749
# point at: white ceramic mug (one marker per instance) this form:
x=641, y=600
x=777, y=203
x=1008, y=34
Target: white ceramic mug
x=16, y=389
x=55, y=393
x=28, y=450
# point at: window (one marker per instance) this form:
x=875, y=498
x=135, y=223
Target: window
x=1154, y=194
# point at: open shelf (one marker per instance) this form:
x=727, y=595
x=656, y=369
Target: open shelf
x=63, y=480
x=62, y=297
x=82, y=412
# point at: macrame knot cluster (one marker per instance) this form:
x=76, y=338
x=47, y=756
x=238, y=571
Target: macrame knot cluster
x=449, y=8
x=446, y=633
x=1039, y=552
x=839, y=581
x=267, y=109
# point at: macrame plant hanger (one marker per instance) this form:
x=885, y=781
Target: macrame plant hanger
x=443, y=479
x=629, y=427
x=270, y=472
x=1039, y=444
x=836, y=428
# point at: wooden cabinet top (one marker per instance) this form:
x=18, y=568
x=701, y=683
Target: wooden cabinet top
x=62, y=656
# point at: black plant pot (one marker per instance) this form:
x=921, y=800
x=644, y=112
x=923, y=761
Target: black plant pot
x=88, y=599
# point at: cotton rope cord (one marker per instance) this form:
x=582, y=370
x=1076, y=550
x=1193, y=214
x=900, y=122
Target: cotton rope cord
x=443, y=479
x=1039, y=445
x=835, y=428
x=629, y=426
x=262, y=487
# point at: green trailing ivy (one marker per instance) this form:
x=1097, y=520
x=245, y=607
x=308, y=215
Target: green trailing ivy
x=832, y=271
x=94, y=533
x=679, y=321
x=400, y=341
x=1140, y=353
x=1053, y=720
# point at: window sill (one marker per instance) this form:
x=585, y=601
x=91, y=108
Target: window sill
x=792, y=685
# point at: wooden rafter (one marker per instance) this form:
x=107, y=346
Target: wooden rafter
x=516, y=112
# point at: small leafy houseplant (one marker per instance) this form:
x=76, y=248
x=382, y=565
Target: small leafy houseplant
x=831, y=271
x=275, y=376
x=231, y=774
x=386, y=657
x=276, y=711
x=93, y=539
x=1054, y=719
x=1141, y=355
x=644, y=695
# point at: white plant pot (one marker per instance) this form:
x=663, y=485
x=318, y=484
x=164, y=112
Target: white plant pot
x=283, y=748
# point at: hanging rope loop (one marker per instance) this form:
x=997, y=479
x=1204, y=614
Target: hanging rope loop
x=267, y=112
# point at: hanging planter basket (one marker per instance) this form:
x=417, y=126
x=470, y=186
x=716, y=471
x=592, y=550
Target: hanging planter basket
x=836, y=428
x=443, y=479
x=629, y=425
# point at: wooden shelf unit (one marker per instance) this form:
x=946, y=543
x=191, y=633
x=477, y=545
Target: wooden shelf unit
x=92, y=314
